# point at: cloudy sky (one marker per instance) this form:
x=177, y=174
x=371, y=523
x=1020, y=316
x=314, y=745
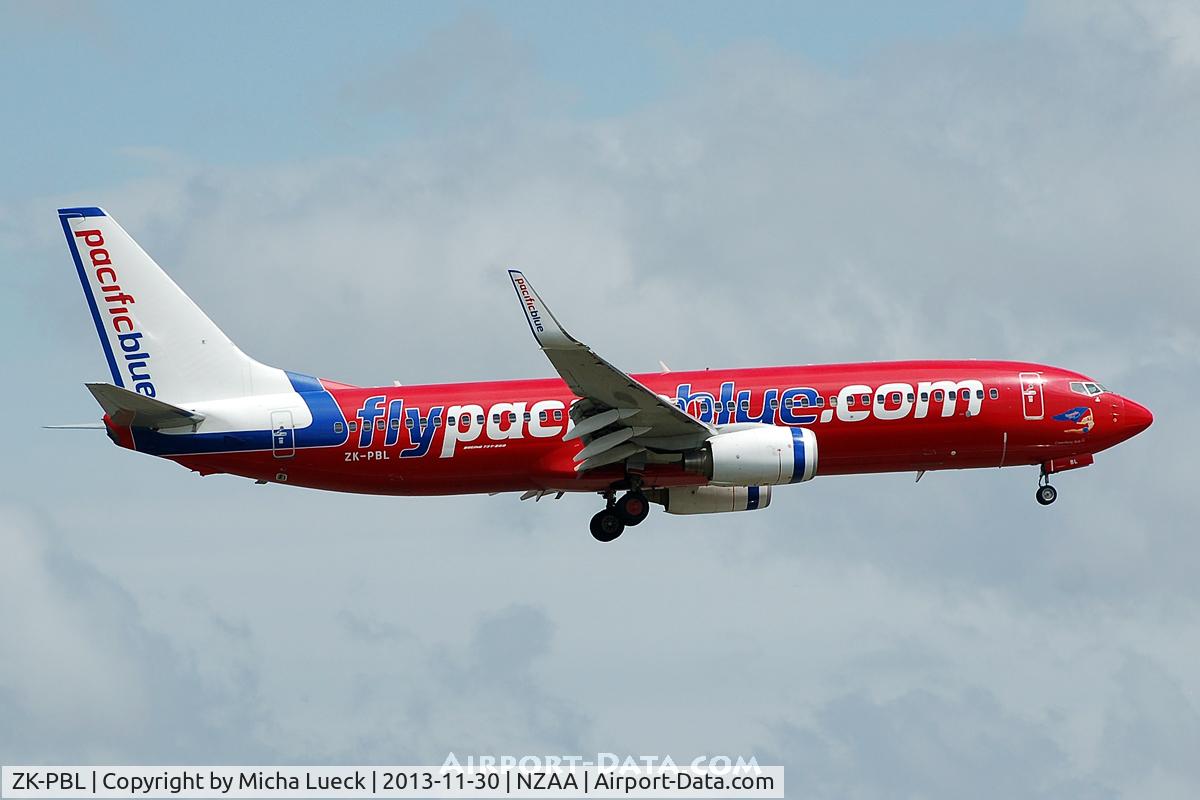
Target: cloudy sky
x=341, y=189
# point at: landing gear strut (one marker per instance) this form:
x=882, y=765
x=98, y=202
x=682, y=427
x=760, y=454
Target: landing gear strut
x=631, y=509
x=1046, y=494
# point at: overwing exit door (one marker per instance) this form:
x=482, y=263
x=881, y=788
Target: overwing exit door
x=283, y=435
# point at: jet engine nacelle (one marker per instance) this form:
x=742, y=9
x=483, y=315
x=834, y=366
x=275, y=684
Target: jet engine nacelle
x=763, y=455
x=715, y=499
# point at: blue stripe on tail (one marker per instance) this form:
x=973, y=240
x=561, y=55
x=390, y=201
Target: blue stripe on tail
x=325, y=412
x=65, y=214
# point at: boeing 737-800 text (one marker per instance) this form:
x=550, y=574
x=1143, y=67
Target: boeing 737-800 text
x=694, y=442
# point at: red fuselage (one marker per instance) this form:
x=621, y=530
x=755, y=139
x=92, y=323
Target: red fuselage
x=869, y=417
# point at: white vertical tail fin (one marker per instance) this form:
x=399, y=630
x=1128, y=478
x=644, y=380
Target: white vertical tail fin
x=157, y=341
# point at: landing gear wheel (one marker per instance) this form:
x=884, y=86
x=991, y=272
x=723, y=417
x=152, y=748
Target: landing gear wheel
x=607, y=525
x=1046, y=494
x=632, y=508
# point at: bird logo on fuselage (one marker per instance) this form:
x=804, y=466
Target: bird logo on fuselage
x=1082, y=415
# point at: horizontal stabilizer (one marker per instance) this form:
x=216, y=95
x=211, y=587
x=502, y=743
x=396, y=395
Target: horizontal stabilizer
x=78, y=426
x=135, y=410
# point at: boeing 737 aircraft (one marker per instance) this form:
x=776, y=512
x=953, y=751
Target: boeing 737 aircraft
x=693, y=442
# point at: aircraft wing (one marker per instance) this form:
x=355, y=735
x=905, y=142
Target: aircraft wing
x=618, y=417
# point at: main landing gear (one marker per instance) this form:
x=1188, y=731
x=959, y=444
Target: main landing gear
x=1046, y=494
x=629, y=510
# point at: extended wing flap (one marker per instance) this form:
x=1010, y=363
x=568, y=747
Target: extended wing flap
x=137, y=410
x=595, y=422
x=619, y=453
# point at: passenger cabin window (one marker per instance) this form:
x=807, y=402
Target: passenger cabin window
x=787, y=402
x=558, y=414
x=912, y=398
x=833, y=400
x=480, y=419
x=337, y=427
x=802, y=401
x=820, y=400
x=745, y=405
x=994, y=394
x=895, y=397
x=380, y=424
x=353, y=426
x=979, y=393
x=924, y=397
x=937, y=395
x=543, y=416
x=866, y=399
x=395, y=424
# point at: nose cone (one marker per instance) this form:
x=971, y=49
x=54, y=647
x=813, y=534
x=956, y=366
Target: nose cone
x=1137, y=417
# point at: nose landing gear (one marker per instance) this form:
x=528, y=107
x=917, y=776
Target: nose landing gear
x=1046, y=494
x=630, y=510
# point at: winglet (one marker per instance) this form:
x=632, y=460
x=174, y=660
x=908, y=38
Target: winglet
x=545, y=327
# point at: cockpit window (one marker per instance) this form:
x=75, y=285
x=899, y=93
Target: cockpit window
x=1088, y=388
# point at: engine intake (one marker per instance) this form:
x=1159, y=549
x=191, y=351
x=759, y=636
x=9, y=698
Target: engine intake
x=762, y=455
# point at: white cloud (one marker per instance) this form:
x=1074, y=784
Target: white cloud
x=82, y=678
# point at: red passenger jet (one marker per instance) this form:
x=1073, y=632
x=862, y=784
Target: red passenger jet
x=693, y=442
